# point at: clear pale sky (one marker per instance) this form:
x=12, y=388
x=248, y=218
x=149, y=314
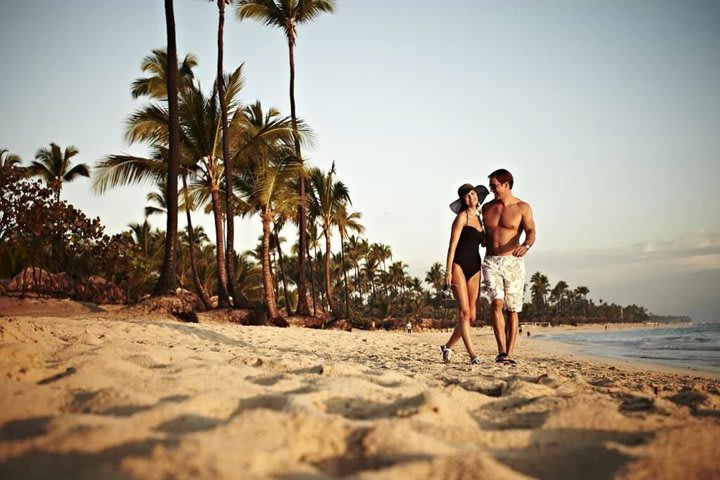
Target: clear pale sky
x=606, y=112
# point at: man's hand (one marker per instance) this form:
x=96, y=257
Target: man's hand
x=520, y=251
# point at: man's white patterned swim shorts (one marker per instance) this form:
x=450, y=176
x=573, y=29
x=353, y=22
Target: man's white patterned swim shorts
x=504, y=279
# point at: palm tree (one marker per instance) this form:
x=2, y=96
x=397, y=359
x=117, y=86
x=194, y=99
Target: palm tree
x=357, y=250
x=200, y=131
x=327, y=197
x=345, y=222
x=581, y=293
x=53, y=165
x=155, y=86
x=286, y=15
x=267, y=188
x=229, y=197
x=265, y=184
x=167, y=282
x=558, y=294
x=8, y=159
x=435, y=277
x=540, y=286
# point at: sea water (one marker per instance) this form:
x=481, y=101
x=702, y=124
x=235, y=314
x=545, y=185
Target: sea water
x=692, y=347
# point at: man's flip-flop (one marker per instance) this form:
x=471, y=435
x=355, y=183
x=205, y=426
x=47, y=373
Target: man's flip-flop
x=501, y=358
x=510, y=361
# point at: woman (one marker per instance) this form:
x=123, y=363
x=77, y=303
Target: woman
x=463, y=264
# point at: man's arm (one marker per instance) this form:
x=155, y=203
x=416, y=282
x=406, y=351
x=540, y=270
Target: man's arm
x=528, y=225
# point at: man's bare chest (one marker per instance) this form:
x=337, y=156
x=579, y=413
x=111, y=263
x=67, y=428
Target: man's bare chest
x=509, y=218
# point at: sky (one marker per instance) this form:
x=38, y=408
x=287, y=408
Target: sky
x=606, y=112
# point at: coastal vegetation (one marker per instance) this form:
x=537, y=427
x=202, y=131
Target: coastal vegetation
x=213, y=152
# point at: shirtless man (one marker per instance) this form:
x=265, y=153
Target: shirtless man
x=506, y=219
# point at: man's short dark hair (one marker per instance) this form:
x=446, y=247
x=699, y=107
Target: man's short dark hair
x=503, y=176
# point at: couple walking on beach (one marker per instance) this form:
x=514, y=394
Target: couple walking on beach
x=498, y=227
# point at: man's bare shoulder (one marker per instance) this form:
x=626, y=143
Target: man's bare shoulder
x=490, y=204
x=522, y=204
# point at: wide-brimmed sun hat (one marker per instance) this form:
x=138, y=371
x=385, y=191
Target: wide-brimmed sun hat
x=458, y=205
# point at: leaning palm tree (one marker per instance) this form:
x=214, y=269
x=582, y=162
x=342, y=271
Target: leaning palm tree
x=345, y=222
x=327, y=197
x=266, y=183
x=200, y=135
x=286, y=15
x=267, y=189
x=53, y=165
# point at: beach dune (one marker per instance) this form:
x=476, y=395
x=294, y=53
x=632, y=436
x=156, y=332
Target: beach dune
x=102, y=395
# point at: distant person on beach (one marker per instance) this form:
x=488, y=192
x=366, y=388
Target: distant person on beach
x=408, y=327
x=463, y=265
x=506, y=219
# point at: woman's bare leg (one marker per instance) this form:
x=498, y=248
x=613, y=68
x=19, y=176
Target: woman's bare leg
x=462, y=330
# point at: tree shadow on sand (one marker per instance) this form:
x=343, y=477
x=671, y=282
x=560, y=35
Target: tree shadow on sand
x=206, y=335
x=564, y=453
x=104, y=464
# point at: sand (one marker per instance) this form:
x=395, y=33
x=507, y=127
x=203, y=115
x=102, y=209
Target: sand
x=92, y=394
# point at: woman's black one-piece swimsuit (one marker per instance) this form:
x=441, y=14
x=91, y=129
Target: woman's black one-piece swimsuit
x=467, y=252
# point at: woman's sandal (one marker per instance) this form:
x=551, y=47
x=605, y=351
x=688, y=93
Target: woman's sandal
x=502, y=358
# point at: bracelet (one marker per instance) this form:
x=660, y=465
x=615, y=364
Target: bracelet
x=526, y=246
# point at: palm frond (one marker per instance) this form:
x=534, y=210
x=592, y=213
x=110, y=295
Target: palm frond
x=117, y=170
x=79, y=170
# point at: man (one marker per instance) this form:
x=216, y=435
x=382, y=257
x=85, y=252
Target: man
x=506, y=218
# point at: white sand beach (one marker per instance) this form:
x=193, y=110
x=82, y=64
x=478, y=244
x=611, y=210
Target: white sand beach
x=91, y=394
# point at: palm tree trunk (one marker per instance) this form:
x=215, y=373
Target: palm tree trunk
x=223, y=299
x=193, y=265
x=322, y=300
x=312, y=280
x=342, y=262
x=302, y=308
x=266, y=273
x=167, y=282
x=282, y=270
x=229, y=198
x=328, y=285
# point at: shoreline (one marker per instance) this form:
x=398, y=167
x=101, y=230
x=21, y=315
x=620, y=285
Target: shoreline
x=590, y=352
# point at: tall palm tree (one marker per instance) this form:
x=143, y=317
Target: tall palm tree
x=167, y=282
x=345, y=222
x=327, y=197
x=286, y=15
x=53, y=165
x=227, y=164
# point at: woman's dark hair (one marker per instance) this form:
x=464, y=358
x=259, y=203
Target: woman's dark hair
x=503, y=176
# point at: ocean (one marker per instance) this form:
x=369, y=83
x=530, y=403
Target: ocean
x=692, y=347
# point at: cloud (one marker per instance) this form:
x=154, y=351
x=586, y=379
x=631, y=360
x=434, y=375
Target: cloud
x=675, y=277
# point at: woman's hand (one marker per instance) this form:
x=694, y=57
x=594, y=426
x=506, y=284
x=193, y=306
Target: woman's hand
x=448, y=280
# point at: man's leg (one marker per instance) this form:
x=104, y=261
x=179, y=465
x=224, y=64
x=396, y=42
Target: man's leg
x=498, y=323
x=514, y=290
x=511, y=330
